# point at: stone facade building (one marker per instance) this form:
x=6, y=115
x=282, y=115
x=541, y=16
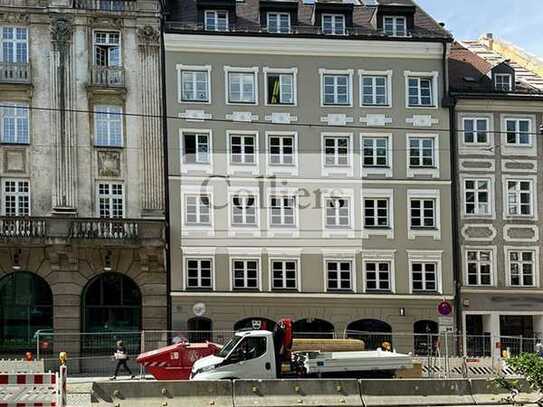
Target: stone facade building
x=309, y=170
x=81, y=173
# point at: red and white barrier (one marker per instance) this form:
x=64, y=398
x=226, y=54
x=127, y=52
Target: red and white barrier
x=31, y=390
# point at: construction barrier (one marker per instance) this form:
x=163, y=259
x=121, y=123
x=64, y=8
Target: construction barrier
x=21, y=366
x=301, y=392
x=489, y=393
x=416, y=392
x=166, y=393
x=30, y=390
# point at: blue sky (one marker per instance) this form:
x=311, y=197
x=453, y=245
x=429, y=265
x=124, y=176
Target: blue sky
x=517, y=21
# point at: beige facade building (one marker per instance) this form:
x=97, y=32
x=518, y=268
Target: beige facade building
x=309, y=170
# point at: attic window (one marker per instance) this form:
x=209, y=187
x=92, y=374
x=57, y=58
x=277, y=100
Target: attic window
x=503, y=82
x=395, y=26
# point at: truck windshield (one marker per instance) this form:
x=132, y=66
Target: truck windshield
x=229, y=345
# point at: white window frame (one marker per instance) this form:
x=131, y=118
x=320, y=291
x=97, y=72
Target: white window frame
x=283, y=230
x=278, y=15
x=379, y=194
x=519, y=149
x=385, y=171
x=334, y=23
x=249, y=255
x=517, y=121
x=14, y=41
x=216, y=17
x=493, y=264
x=433, y=76
x=395, y=20
x=110, y=197
x=476, y=148
x=388, y=83
x=273, y=258
x=533, y=196
x=328, y=170
x=281, y=71
x=379, y=256
x=113, y=114
x=240, y=229
x=22, y=111
x=433, y=171
x=198, y=252
x=18, y=195
x=535, y=261
x=199, y=259
x=204, y=229
x=338, y=231
x=509, y=82
x=435, y=195
x=242, y=70
x=196, y=167
x=491, y=198
x=426, y=256
x=193, y=68
x=242, y=168
x=352, y=261
x=95, y=43
x=475, y=131
x=344, y=72
x=282, y=169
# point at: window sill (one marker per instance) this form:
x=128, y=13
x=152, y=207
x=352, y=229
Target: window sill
x=99, y=146
x=6, y=143
x=194, y=102
x=340, y=291
x=199, y=289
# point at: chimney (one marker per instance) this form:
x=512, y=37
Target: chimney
x=488, y=40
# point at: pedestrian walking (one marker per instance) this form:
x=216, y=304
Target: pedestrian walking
x=121, y=356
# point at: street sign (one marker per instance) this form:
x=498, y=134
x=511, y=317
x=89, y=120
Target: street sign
x=446, y=324
x=444, y=308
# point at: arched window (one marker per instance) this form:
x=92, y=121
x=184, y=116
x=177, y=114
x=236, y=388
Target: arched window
x=312, y=328
x=373, y=332
x=200, y=329
x=254, y=323
x=426, y=340
x=26, y=306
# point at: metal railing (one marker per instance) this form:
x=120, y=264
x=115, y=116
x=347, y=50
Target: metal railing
x=23, y=3
x=15, y=72
x=107, y=76
x=111, y=229
x=106, y=5
x=22, y=227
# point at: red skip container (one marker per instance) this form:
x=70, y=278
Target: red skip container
x=175, y=362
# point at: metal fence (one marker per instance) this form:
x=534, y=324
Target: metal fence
x=441, y=355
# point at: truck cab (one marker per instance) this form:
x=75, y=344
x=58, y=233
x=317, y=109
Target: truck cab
x=248, y=354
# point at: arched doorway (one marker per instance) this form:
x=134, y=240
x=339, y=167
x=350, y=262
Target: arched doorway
x=200, y=329
x=254, y=323
x=26, y=306
x=372, y=331
x=426, y=339
x=312, y=328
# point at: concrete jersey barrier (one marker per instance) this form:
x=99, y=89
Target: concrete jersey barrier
x=488, y=393
x=299, y=392
x=21, y=366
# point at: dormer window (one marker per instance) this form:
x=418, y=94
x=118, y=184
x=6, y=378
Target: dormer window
x=278, y=22
x=503, y=82
x=395, y=26
x=333, y=24
x=216, y=20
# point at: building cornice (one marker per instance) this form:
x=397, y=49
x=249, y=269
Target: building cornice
x=301, y=46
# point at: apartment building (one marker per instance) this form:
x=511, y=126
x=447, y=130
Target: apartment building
x=82, y=202
x=498, y=118
x=309, y=170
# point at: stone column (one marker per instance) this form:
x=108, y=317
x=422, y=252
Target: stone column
x=152, y=152
x=63, y=118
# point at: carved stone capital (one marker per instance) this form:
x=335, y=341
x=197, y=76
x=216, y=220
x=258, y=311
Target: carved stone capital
x=15, y=18
x=61, y=30
x=148, y=36
x=105, y=22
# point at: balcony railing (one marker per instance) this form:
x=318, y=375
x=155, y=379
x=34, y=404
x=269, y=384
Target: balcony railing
x=110, y=229
x=106, y=5
x=107, y=76
x=22, y=227
x=23, y=3
x=15, y=73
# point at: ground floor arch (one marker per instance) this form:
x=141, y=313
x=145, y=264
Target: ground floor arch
x=426, y=337
x=199, y=329
x=373, y=332
x=312, y=328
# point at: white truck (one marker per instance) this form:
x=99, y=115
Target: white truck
x=251, y=355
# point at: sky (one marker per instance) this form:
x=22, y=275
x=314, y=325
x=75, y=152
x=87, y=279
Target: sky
x=516, y=21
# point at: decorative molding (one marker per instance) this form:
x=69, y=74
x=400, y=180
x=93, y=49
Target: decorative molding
x=195, y=115
x=507, y=236
x=522, y=166
x=491, y=236
x=14, y=160
x=373, y=119
x=105, y=22
x=241, y=117
x=109, y=163
x=281, y=118
x=421, y=120
x=61, y=30
x=15, y=18
x=335, y=119
x=490, y=168
x=148, y=36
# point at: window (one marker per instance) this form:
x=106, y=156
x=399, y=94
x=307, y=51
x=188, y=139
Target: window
x=284, y=274
x=424, y=276
x=241, y=87
x=423, y=213
x=421, y=152
x=249, y=348
x=15, y=123
x=336, y=151
x=475, y=131
x=377, y=275
x=336, y=89
x=14, y=43
x=107, y=48
x=519, y=198
x=199, y=273
x=477, y=197
x=216, y=20
x=108, y=126
x=395, y=26
x=503, y=82
x=339, y=274
x=280, y=88
x=518, y=131
x=333, y=24
x=479, y=267
x=194, y=86
x=110, y=200
x=376, y=213
x=522, y=268
x=375, y=152
x=281, y=150
x=374, y=90
x=16, y=198
x=242, y=149
x=245, y=274
x=278, y=22
x=420, y=91
x=196, y=148
x=244, y=210
x=112, y=5
x=282, y=210
x=197, y=210
x=338, y=212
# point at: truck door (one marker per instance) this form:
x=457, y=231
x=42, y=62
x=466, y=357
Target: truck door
x=252, y=359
